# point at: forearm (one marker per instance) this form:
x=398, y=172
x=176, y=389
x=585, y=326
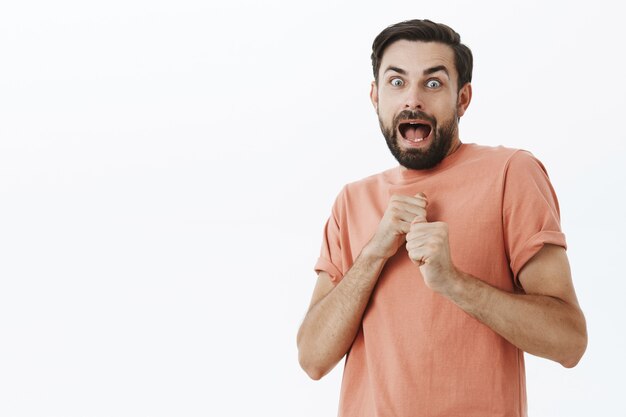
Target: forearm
x=538, y=324
x=331, y=325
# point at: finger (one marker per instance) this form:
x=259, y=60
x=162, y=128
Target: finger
x=405, y=227
x=422, y=196
x=418, y=238
x=415, y=204
x=403, y=230
x=420, y=229
x=428, y=227
x=412, y=217
x=417, y=256
x=425, y=231
x=420, y=218
x=418, y=200
x=406, y=213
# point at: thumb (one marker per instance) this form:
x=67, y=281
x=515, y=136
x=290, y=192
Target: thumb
x=419, y=219
x=421, y=195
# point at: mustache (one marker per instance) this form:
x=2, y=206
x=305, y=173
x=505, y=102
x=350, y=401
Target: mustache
x=413, y=114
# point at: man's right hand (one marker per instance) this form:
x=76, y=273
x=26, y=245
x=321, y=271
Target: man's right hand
x=336, y=310
x=396, y=223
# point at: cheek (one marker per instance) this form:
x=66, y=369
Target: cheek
x=446, y=109
x=385, y=109
x=385, y=116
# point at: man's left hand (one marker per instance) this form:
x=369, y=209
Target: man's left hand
x=428, y=247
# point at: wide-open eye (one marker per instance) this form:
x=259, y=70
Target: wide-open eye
x=433, y=83
x=396, y=82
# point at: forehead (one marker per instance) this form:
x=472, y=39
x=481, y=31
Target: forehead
x=416, y=56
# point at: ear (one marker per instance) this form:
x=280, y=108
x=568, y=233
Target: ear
x=464, y=99
x=374, y=95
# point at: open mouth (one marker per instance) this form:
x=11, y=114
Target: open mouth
x=414, y=131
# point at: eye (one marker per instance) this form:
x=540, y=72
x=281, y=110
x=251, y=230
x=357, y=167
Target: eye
x=433, y=83
x=396, y=82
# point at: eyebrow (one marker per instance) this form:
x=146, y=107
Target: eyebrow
x=396, y=69
x=427, y=71
x=437, y=69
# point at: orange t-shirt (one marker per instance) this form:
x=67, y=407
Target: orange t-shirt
x=417, y=354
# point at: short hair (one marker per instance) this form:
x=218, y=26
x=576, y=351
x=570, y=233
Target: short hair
x=426, y=31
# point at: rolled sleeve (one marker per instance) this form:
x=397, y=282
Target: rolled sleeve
x=330, y=259
x=531, y=216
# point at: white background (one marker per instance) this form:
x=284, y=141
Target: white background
x=166, y=169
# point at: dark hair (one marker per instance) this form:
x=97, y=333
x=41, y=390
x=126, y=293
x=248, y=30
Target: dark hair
x=427, y=31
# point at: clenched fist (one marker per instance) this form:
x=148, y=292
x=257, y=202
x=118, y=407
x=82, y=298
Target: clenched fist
x=428, y=246
x=396, y=223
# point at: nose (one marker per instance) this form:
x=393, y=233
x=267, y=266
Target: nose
x=413, y=98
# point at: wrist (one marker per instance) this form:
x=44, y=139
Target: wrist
x=454, y=285
x=462, y=286
x=374, y=252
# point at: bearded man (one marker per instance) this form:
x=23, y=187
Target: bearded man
x=437, y=275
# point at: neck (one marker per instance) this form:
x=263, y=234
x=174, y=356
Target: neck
x=454, y=147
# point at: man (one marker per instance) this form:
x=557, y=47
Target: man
x=435, y=276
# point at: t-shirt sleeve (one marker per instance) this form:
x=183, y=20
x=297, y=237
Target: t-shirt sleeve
x=531, y=216
x=330, y=259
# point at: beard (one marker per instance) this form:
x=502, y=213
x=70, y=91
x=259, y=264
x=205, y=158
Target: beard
x=442, y=138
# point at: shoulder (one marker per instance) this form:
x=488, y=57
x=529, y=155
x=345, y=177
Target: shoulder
x=354, y=193
x=502, y=158
x=493, y=154
x=523, y=163
x=366, y=184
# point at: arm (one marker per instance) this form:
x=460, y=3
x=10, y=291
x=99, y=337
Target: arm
x=334, y=317
x=546, y=321
x=335, y=313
